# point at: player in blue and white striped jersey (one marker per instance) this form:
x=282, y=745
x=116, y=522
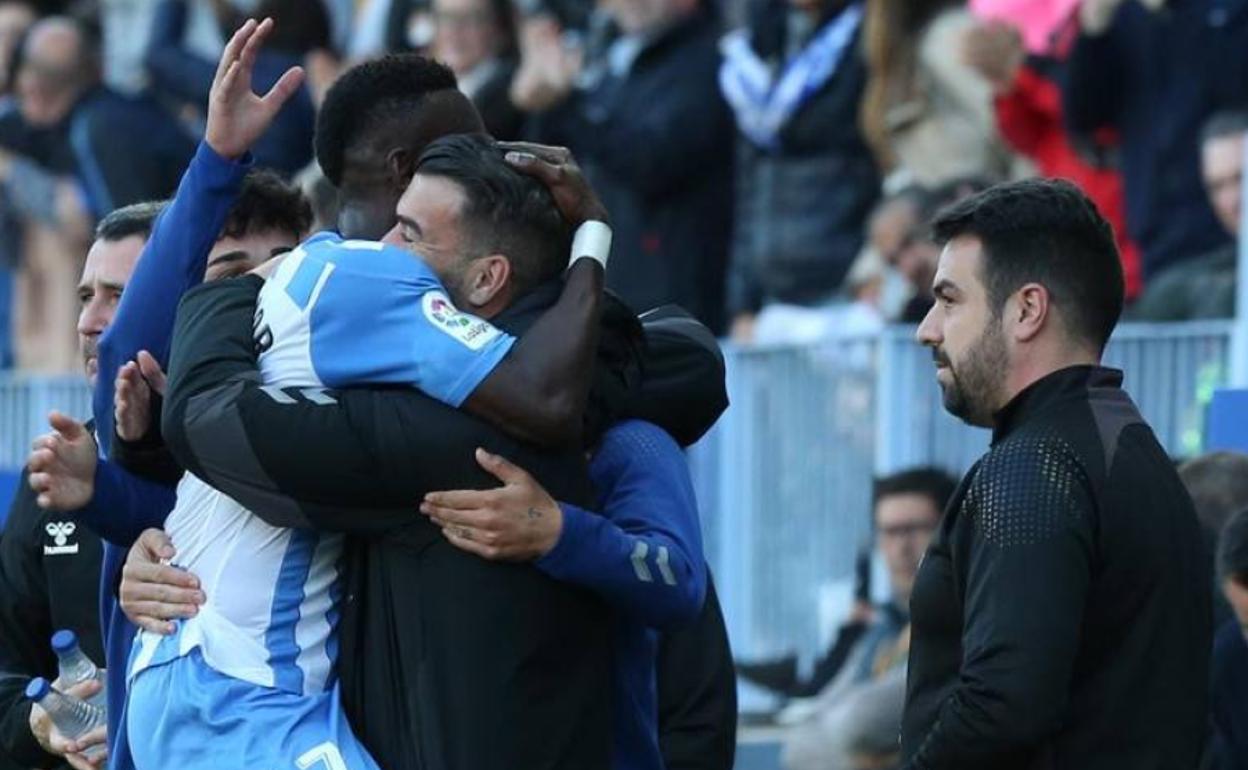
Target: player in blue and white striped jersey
x=249, y=679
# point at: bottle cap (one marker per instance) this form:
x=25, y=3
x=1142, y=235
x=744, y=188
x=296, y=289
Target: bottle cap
x=38, y=689
x=64, y=641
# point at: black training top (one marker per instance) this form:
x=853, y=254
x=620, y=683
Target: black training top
x=1061, y=615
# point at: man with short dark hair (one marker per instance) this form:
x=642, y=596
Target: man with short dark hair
x=1061, y=614
x=375, y=122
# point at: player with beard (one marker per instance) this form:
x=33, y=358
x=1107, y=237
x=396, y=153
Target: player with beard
x=1061, y=616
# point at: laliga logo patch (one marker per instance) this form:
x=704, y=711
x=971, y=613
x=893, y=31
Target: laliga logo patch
x=472, y=332
x=60, y=532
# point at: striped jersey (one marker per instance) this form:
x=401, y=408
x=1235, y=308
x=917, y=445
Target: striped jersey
x=335, y=313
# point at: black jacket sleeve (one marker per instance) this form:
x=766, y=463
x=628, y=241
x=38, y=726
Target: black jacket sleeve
x=355, y=460
x=25, y=627
x=1027, y=538
x=697, y=688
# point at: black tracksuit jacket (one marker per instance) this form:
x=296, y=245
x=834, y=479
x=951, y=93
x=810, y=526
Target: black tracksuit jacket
x=1061, y=615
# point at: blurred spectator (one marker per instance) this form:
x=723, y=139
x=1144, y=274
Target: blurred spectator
x=70, y=151
x=1036, y=20
x=1218, y=484
x=805, y=180
x=926, y=114
x=15, y=19
x=655, y=137
x=300, y=28
x=1230, y=651
x=838, y=725
x=409, y=26
x=477, y=40
x=897, y=230
x=859, y=313
x=1155, y=76
x=1204, y=286
x=1025, y=75
x=906, y=503
x=125, y=150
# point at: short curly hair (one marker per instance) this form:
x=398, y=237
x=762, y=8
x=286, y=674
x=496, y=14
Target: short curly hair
x=370, y=95
x=267, y=203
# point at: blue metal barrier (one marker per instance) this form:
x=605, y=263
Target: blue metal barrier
x=8, y=486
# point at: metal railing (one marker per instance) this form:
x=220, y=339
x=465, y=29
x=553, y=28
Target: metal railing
x=784, y=480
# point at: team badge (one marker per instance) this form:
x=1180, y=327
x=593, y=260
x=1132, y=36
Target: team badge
x=472, y=332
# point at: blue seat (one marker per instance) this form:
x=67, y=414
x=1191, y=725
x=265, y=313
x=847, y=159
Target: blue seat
x=1228, y=421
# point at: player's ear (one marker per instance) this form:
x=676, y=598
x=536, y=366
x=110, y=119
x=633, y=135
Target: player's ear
x=401, y=166
x=488, y=279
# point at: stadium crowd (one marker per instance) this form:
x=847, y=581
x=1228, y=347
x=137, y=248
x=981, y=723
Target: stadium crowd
x=776, y=214
x=773, y=167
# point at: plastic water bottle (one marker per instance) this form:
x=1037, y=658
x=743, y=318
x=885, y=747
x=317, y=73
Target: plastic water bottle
x=75, y=667
x=73, y=718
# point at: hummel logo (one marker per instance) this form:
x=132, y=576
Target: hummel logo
x=60, y=532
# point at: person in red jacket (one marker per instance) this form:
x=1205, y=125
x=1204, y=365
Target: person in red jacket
x=1028, y=104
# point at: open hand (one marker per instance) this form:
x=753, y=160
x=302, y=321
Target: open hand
x=237, y=116
x=62, y=465
x=132, y=410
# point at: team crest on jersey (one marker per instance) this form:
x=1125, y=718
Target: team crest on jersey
x=472, y=332
x=60, y=532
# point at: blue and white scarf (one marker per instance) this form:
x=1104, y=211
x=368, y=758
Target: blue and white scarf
x=764, y=100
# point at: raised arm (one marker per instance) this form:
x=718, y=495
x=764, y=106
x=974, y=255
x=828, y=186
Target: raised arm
x=176, y=255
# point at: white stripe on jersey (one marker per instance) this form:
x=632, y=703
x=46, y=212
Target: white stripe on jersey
x=288, y=361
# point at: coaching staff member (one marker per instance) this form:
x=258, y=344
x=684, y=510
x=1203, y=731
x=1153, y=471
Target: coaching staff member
x=1061, y=614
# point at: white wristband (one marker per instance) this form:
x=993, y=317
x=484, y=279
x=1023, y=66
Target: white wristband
x=592, y=241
